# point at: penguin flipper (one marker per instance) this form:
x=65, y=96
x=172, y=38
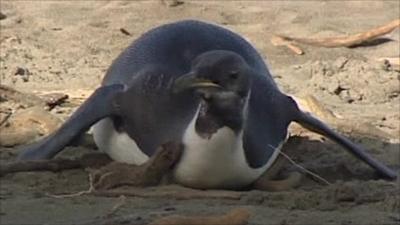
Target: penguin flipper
x=99, y=105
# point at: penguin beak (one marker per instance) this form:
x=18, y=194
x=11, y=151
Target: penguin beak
x=190, y=81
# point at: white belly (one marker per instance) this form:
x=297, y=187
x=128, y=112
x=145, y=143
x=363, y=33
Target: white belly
x=119, y=146
x=218, y=162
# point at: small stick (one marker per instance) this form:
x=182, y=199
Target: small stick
x=305, y=170
x=277, y=40
x=238, y=216
x=54, y=99
x=300, y=167
x=124, y=31
x=334, y=42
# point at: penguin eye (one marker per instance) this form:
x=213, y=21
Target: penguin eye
x=233, y=75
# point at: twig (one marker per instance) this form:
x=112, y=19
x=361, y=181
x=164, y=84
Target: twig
x=124, y=31
x=305, y=170
x=334, y=42
x=277, y=40
x=238, y=216
x=54, y=99
x=300, y=167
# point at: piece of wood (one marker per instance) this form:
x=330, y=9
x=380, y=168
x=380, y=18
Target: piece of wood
x=334, y=42
x=277, y=40
x=54, y=99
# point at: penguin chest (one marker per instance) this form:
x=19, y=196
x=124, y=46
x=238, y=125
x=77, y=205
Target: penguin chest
x=215, y=162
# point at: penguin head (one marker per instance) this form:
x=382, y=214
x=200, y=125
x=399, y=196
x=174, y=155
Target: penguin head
x=216, y=74
x=222, y=80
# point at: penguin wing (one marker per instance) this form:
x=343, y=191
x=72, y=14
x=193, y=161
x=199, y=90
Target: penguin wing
x=266, y=123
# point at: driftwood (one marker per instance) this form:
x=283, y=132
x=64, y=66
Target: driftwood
x=238, y=216
x=334, y=42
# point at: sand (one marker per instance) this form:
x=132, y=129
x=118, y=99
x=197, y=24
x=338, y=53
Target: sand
x=66, y=46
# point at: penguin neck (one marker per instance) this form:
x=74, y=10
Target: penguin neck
x=211, y=117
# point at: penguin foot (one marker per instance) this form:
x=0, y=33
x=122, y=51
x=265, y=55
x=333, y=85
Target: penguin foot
x=148, y=174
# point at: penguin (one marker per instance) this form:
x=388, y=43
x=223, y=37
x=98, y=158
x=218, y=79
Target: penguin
x=201, y=85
